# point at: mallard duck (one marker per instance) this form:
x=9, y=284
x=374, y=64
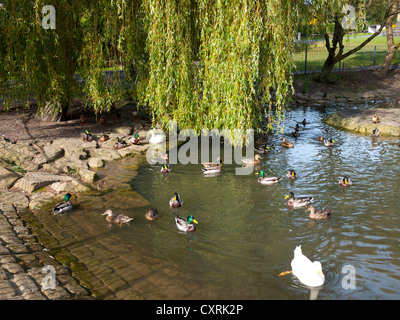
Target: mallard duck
x=267, y=180
x=119, y=144
x=116, y=218
x=304, y=122
x=251, y=162
x=186, y=225
x=297, y=127
x=329, y=143
x=104, y=137
x=309, y=273
x=64, y=206
x=134, y=140
x=152, y=214
x=345, y=181
x=321, y=138
x=291, y=174
x=176, y=201
x=135, y=114
x=298, y=201
x=262, y=150
x=375, y=133
x=295, y=133
x=165, y=168
x=213, y=164
x=83, y=119
x=375, y=118
x=156, y=136
x=319, y=214
x=87, y=137
x=286, y=144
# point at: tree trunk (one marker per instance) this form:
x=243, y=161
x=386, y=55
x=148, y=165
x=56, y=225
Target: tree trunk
x=52, y=111
x=391, y=46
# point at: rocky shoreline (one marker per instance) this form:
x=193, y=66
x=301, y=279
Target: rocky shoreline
x=34, y=174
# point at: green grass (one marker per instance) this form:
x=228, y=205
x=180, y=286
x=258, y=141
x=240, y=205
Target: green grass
x=317, y=53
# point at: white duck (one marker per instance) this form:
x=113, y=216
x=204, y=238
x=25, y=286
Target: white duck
x=309, y=273
x=155, y=136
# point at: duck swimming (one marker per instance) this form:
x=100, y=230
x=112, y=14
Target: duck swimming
x=64, y=206
x=116, y=218
x=250, y=162
x=286, y=144
x=345, y=182
x=267, y=180
x=176, y=201
x=262, y=150
x=291, y=174
x=296, y=202
x=329, y=143
x=309, y=273
x=165, y=168
x=319, y=214
x=152, y=214
x=375, y=133
x=186, y=225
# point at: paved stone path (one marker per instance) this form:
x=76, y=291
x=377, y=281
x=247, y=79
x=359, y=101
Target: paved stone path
x=27, y=270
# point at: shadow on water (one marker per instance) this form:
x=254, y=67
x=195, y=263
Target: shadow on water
x=246, y=233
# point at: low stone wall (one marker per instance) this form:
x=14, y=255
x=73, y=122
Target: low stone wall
x=359, y=121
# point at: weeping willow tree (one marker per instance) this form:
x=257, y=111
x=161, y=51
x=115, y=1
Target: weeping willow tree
x=206, y=64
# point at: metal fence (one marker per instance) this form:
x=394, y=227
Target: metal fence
x=311, y=58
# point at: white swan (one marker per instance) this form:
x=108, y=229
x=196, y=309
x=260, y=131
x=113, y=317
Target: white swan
x=309, y=273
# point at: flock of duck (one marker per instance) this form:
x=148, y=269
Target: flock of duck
x=309, y=273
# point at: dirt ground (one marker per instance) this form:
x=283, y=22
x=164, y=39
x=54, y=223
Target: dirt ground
x=21, y=124
x=353, y=81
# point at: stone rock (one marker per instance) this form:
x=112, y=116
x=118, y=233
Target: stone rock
x=36, y=180
x=39, y=199
x=7, y=178
x=106, y=155
x=95, y=163
x=18, y=200
x=73, y=186
x=124, y=131
x=87, y=175
x=49, y=154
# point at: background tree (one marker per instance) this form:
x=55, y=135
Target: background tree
x=391, y=45
x=203, y=63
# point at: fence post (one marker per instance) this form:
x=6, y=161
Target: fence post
x=374, y=55
x=305, y=61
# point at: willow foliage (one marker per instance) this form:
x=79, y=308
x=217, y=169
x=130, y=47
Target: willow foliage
x=206, y=64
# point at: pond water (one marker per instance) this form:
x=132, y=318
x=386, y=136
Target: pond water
x=246, y=233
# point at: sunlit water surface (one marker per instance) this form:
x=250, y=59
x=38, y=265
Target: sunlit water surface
x=247, y=234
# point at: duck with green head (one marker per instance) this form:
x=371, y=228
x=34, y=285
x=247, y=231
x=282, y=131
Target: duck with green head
x=134, y=140
x=345, y=181
x=267, y=180
x=165, y=168
x=296, y=202
x=186, y=225
x=119, y=144
x=87, y=137
x=329, y=143
x=176, y=201
x=291, y=174
x=65, y=206
x=262, y=150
